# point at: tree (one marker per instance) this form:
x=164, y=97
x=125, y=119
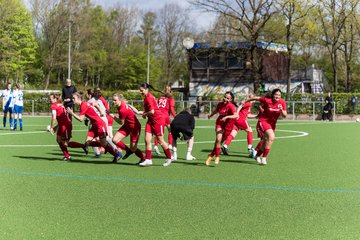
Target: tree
x=333, y=15
x=51, y=20
x=294, y=12
x=17, y=42
x=172, y=25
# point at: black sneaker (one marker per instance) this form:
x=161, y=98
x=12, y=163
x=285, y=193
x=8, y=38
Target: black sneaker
x=67, y=158
x=116, y=158
x=127, y=154
x=86, y=149
x=224, y=150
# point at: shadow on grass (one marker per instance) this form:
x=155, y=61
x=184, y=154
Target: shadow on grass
x=102, y=160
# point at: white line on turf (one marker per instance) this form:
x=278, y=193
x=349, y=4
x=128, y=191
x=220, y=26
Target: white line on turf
x=298, y=134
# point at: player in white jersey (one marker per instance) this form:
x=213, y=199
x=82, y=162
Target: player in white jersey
x=18, y=106
x=7, y=104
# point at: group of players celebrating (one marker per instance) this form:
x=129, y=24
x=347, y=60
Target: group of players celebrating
x=231, y=118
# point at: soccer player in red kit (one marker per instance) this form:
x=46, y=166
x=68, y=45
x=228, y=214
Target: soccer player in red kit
x=64, y=127
x=166, y=104
x=98, y=127
x=130, y=126
x=274, y=107
x=98, y=96
x=240, y=124
x=154, y=126
x=224, y=123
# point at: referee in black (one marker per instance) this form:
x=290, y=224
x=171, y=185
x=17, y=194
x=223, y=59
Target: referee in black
x=183, y=123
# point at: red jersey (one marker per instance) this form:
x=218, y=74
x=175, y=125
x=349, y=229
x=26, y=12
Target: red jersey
x=128, y=116
x=86, y=109
x=245, y=111
x=225, y=110
x=166, y=105
x=151, y=104
x=102, y=99
x=271, y=109
x=61, y=115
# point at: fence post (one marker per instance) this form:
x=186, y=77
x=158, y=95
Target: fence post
x=33, y=107
x=293, y=110
x=313, y=111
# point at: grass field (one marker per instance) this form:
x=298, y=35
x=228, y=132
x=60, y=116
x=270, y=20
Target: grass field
x=310, y=188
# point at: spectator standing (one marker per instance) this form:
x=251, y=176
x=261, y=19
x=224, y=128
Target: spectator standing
x=66, y=95
x=328, y=108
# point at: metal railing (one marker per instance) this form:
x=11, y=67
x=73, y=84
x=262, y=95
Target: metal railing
x=310, y=110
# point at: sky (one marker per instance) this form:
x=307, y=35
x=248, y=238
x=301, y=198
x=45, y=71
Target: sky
x=204, y=20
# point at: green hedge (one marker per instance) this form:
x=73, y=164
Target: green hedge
x=342, y=100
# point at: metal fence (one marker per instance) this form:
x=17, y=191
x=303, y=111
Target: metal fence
x=303, y=110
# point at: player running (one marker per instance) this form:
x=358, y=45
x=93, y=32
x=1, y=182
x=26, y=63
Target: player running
x=130, y=126
x=98, y=127
x=166, y=104
x=274, y=107
x=64, y=127
x=154, y=126
x=241, y=124
x=224, y=124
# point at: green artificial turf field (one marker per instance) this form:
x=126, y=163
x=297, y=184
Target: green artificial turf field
x=310, y=188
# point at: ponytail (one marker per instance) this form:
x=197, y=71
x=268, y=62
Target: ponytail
x=148, y=86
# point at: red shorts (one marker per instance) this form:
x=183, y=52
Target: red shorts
x=241, y=125
x=110, y=120
x=154, y=129
x=262, y=127
x=98, y=130
x=64, y=131
x=167, y=120
x=133, y=132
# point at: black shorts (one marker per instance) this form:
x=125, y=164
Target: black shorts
x=186, y=132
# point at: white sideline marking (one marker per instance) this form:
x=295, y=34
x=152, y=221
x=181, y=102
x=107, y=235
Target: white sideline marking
x=299, y=134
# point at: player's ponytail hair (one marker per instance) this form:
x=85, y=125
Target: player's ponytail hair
x=90, y=92
x=148, y=86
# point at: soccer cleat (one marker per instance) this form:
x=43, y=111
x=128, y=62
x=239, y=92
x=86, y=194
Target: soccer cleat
x=217, y=160
x=86, y=149
x=118, y=153
x=156, y=149
x=225, y=150
x=258, y=159
x=190, y=158
x=127, y=154
x=97, y=156
x=21, y=129
x=252, y=153
x=208, y=161
x=167, y=162
x=146, y=162
x=263, y=161
x=115, y=159
x=67, y=158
